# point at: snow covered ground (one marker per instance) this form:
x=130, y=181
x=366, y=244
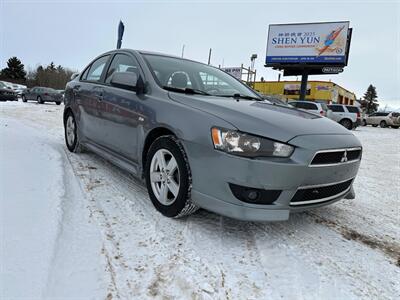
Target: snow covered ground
x=76, y=226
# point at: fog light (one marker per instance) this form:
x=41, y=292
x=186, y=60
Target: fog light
x=252, y=195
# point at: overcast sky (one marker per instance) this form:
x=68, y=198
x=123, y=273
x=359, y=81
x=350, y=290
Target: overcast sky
x=71, y=33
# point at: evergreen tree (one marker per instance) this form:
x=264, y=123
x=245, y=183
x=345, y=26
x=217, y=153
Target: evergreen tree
x=14, y=70
x=371, y=100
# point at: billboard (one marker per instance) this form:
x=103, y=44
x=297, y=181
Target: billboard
x=234, y=71
x=310, y=43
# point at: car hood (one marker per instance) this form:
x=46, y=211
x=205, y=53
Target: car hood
x=261, y=118
x=6, y=90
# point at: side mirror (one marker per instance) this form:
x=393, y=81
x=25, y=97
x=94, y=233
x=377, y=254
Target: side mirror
x=74, y=75
x=129, y=81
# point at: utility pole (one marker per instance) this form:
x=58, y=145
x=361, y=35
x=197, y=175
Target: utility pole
x=303, y=87
x=183, y=49
x=209, y=56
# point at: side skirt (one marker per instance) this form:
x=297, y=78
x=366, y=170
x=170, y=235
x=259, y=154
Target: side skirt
x=114, y=158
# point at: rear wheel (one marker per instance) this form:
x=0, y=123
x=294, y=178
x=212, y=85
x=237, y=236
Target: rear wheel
x=40, y=100
x=364, y=123
x=23, y=98
x=71, y=133
x=346, y=123
x=383, y=124
x=395, y=127
x=168, y=178
x=58, y=103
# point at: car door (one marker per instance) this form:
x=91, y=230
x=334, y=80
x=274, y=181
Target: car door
x=88, y=93
x=337, y=112
x=120, y=110
x=29, y=94
x=371, y=119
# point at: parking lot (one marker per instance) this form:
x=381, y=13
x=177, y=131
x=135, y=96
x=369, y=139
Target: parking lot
x=98, y=223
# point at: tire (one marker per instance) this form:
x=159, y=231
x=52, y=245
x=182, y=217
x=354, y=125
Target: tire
x=176, y=181
x=71, y=133
x=364, y=123
x=383, y=124
x=40, y=100
x=23, y=98
x=346, y=123
x=395, y=127
x=58, y=103
x=374, y=125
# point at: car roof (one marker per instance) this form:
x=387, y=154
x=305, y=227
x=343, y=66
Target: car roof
x=302, y=101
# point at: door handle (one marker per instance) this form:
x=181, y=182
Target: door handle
x=100, y=96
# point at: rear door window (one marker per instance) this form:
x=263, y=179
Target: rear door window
x=308, y=106
x=336, y=108
x=352, y=109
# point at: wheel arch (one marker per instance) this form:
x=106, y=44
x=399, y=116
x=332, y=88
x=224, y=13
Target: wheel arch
x=152, y=135
x=66, y=111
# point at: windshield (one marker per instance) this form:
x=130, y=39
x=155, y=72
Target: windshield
x=2, y=85
x=181, y=74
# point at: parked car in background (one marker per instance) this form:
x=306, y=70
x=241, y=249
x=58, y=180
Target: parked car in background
x=320, y=109
x=19, y=88
x=348, y=116
x=7, y=84
x=383, y=119
x=62, y=92
x=42, y=95
x=214, y=144
x=6, y=93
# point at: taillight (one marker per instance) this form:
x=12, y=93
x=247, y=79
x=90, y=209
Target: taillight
x=358, y=115
x=322, y=113
x=46, y=94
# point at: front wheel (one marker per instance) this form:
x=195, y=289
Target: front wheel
x=383, y=124
x=58, y=103
x=168, y=178
x=23, y=98
x=40, y=100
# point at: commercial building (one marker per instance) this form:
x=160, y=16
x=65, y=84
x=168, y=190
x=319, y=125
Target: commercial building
x=321, y=91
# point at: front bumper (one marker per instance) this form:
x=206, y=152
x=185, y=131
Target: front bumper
x=212, y=171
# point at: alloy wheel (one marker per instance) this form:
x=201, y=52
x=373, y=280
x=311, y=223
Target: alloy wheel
x=164, y=177
x=70, y=131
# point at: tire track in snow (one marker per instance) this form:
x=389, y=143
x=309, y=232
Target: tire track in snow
x=319, y=261
x=131, y=208
x=391, y=249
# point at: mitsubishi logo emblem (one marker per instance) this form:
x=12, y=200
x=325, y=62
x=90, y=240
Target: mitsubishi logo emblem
x=344, y=157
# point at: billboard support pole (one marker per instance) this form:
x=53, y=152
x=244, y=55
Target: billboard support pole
x=303, y=87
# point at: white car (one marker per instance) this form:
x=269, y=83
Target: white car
x=348, y=116
x=383, y=119
x=317, y=108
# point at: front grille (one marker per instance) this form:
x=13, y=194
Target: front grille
x=317, y=194
x=330, y=157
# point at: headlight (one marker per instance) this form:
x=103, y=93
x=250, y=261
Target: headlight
x=244, y=144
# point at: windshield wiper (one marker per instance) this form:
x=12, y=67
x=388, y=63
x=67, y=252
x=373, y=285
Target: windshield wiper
x=239, y=96
x=186, y=90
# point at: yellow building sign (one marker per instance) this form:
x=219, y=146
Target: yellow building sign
x=326, y=91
